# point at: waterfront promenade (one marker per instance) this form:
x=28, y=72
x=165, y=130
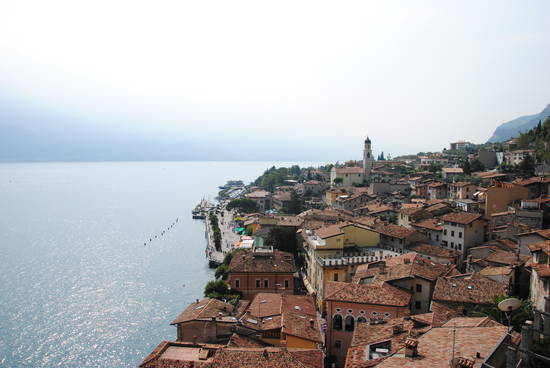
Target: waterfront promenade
x=229, y=237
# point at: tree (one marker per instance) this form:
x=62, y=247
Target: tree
x=466, y=167
x=219, y=289
x=245, y=205
x=517, y=318
x=527, y=166
x=221, y=272
x=283, y=238
x=338, y=181
x=295, y=205
x=476, y=165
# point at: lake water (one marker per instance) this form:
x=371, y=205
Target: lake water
x=78, y=287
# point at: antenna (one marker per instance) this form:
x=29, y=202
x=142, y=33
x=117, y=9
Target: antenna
x=454, y=341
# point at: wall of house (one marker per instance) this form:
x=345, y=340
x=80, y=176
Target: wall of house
x=343, y=308
x=423, y=296
x=498, y=198
x=361, y=236
x=247, y=283
x=204, y=331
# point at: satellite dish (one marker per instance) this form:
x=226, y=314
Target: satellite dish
x=509, y=305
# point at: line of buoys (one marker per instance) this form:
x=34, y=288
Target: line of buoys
x=163, y=231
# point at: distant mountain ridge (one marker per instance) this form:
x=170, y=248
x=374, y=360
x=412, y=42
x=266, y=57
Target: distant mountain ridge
x=512, y=128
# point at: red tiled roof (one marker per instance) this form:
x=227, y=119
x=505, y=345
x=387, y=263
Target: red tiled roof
x=349, y=170
x=379, y=294
x=396, y=231
x=433, y=250
x=430, y=224
x=269, y=357
x=329, y=231
x=204, y=309
x=476, y=291
x=437, y=346
x=261, y=262
x=463, y=218
x=541, y=246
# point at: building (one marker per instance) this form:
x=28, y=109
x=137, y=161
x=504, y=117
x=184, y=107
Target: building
x=281, y=201
x=409, y=215
x=350, y=202
x=460, y=145
x=437, y=190
x=312, y=187
x=375, y=340
x=432, y=228
x=435, y=253
x=397, y=238
x=409, y=272
x=261, y=271
x=450, y=172
x=207, y=320
x=262, y=197
x=462, y=190
x=368, y=160
x=170, y=354
x=348, y=304
x=499, y=195
x=460, y=343
x=348, y=176
x=540, y=275
x=456, y=296
x=462, y=230
x=283, y=320
x=517, y=156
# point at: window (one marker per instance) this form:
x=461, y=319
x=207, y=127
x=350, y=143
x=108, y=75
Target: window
x=418, y=288
x=335, y=277
x=286, y=284
x=374, y=314
x=430, y=236
x=386, y=315
x=350, y=310
x=459, y=246
x=437, y=237
x=460, y=234
x=452, y=233
x=337, y=322
x=337, y=344
x=361, y=319
x=444, y=231
x=257, y=284
x=349, y=323
x=417, y=304
x=266, y=283
x=444, y=243
x=237, y=284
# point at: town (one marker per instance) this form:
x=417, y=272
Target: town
x=439, y=259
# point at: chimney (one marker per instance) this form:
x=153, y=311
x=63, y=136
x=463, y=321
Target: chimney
x=411, y=347
x=397, y=329
x=196, y=300
x=311, y=323
x=265, y=354
x=462, y=362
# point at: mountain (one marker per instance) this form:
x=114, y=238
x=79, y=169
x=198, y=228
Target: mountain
x=512, y=128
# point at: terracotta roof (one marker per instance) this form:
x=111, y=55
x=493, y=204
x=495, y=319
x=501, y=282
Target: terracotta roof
x=533, y=180
x=477, y=291
x=204, y=309
x=329, y=231
x=496, y=271
x=437, y=185
x=403, y=266
x=379, y=294
x=435, y=347
x=433, y=250
x=461, y=184
x=541, y=233
x=241, y=341
x=258, y=194
x=291, y=313
x=541, y=246
x=463, y=218
x=471, y=322
x=312, y=182
x=374, y=208
x=180, y=355
x=542, y=270
x=261, y=262
x=431, y=224
x=396, y=231
x=269, y=357
x=396, y=329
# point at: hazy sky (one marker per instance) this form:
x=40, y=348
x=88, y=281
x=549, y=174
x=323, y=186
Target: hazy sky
x=269, y=80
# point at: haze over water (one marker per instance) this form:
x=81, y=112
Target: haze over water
x=78, y=286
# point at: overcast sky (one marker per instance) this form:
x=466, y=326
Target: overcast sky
x=274, y=80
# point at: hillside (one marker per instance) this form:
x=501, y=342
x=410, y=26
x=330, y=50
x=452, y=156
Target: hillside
x=512, y=128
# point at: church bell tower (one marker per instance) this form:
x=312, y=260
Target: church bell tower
x=367, y=160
